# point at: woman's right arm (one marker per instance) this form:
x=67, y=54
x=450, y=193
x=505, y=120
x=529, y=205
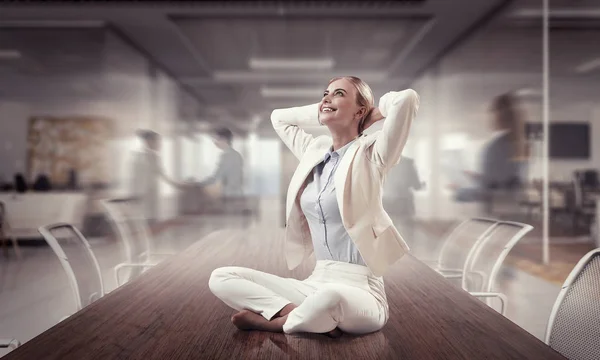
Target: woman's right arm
x=288, y=122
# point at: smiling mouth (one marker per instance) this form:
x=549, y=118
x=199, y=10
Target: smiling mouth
x=327, y=109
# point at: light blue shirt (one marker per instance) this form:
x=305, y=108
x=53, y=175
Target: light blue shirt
x=319, y=204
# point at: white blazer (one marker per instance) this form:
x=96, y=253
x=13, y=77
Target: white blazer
x=358, y=180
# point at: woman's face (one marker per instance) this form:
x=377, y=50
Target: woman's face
x=339, y=108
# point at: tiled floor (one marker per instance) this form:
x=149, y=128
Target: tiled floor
x=35, y=295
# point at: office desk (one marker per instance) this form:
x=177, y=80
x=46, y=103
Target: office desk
x=169, y=313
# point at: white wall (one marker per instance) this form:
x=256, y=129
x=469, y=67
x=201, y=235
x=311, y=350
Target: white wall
x=13, y=138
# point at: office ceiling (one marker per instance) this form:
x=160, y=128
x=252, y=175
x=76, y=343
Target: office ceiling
x=507, y=55
x=208, y=46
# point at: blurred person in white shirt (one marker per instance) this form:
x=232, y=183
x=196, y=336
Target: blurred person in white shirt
x=147, y=173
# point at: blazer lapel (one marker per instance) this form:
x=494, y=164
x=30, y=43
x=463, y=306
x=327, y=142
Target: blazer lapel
x=307, y=164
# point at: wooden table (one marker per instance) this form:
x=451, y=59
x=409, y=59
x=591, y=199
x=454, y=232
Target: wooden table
x=169, y=313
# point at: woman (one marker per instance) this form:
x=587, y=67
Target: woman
x=504, y=153
x=506, y=149
x=334, y=209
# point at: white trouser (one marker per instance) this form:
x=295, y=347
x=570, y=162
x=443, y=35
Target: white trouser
x=336, y=294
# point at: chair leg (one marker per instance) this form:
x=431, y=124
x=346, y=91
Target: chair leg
x=502, y=297
x=3, y=244
x=17, y=249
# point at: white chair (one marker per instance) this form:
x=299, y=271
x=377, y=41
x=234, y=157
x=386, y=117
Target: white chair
x=486, y=258
x=457, y=245
x=132, y=228
x=574, y=324
x=595, y=229
x=10, y=344
x=78, y=261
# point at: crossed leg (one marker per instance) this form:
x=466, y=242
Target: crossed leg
x=270, y=303
x=263, y=300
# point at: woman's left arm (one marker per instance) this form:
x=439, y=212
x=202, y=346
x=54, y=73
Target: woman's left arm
x=399, y=108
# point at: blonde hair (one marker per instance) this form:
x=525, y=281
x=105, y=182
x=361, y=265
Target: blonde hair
x=364, y=97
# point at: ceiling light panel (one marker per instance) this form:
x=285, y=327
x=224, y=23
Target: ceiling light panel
x=291, y=64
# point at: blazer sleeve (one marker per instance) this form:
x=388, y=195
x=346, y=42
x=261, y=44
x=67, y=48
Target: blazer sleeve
x=288, y=124
x=399, y=108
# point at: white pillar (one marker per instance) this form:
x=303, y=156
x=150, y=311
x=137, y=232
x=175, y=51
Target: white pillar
x=546, y=127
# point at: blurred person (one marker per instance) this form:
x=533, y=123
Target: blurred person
x=334, y=211
x=147, y=173
x=503, y=155
x=399, y=188
x=501, y=162
x=399, y=199
x=229, y=172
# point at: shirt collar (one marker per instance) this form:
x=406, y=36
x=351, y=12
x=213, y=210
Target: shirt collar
x=339, y=153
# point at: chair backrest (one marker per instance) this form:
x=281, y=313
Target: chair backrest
x=9, y=344
x=574, y=325
x=486, y=257
x=460, y=240
x=131, y=226
x=78, y=261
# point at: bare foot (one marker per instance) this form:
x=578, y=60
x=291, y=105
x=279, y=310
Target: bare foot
x=335, y=333
x=247, y=320
x=286, y=310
